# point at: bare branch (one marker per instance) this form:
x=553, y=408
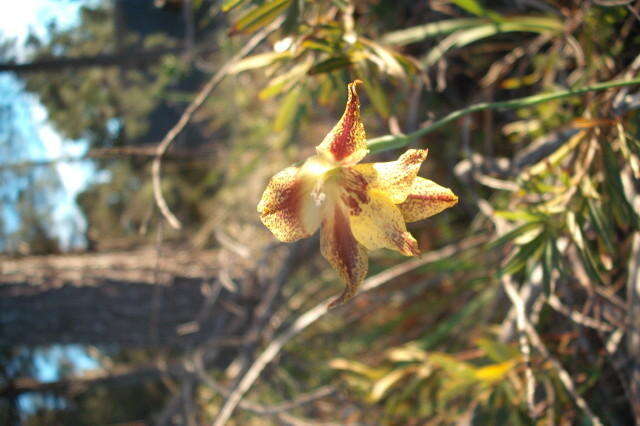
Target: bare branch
x=555, y=302
x=188, y=113
x=563, y=375
x=317, y=312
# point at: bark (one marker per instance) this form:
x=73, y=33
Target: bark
x=131, y=314
x=130, y=299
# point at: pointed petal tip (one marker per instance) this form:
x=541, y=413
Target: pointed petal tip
x=407, y=245
x=414, y=156
x=342, y=299
x=426, y=199
x=347, y=142
x=354, y=85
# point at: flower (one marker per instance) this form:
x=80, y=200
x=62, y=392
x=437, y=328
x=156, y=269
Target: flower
x=358, y=207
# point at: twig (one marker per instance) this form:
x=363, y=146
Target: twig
x=315, y=313
x=555, y=302
x=188, y=113
x=563, y=375
x=384, y=143
x=255, y=407
x=525, y=348
x=271, y=288
x=633, y=324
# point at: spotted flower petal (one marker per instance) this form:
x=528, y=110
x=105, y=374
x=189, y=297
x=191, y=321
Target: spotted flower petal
x=378, y=223
x=339, y=246
x=426, y=199
x=394, y=178
x=359, y=206
x=346, y=144
x=287, y=207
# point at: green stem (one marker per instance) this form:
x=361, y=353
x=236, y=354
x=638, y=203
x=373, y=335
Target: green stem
x=387, y=142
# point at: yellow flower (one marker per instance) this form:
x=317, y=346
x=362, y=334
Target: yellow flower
x=359, y=207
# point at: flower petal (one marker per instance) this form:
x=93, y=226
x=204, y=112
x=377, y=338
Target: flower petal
x=378, y=223
x=287, y=208
x=394, y=178
x=426, y=199
x=346, y=143
x=342, y=250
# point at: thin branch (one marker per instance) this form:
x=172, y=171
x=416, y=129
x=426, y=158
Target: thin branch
x=387, y=142
x=531, y=332
x=317, y=312
x=563, y=375
x=555, y=302
x=525, y=348
x=188, y=113
x=633, y=324
x=255, y=407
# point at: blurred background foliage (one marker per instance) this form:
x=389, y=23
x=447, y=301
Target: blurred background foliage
x=536, y=322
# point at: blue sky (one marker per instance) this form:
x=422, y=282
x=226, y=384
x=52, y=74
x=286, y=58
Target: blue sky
x=16, y=22
x=23, y=16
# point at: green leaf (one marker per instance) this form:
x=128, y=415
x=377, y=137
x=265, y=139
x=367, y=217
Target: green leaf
x=467, y=36
x=342, y=4
x=284, y=81
x=520, y=215
x=620, y=206
x=497, y=351
x=603, y=227
x=528, y=252
x=227, y=5
x=455, y=321
x=317, y=44
x=259, y=17
x=377, y=96
x=432, y=29
x=384, y=59
x=452, y=366
x=588, y=260
x=331, y=64
x=549, y=264
x=512, y=235
x=475, y=8
x=287, y=111
x=258, y=61
x=293, y=16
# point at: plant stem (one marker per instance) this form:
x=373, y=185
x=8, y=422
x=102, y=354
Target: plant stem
x=388, y=142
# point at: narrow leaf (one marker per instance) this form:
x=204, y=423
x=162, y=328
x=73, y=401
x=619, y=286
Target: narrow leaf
x=259, y=17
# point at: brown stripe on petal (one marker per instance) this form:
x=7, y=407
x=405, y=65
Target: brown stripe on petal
x=344, y=253
x=346, y=245
x=346, y=143
x=394, y=178
x=446, y=198
x=406, y=244
x=426, y=199
x=354, y=189
x=282, y=207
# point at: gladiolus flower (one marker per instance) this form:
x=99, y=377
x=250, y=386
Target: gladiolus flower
x=358, y=207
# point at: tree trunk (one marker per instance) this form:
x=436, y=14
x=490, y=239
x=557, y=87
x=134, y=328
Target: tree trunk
x=131, y=299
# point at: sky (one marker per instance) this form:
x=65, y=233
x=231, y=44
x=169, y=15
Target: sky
x=16, y=22
x=34, y=15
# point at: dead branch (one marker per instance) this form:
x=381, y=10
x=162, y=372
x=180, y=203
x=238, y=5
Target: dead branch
x=312, y=315
x=188, y=113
